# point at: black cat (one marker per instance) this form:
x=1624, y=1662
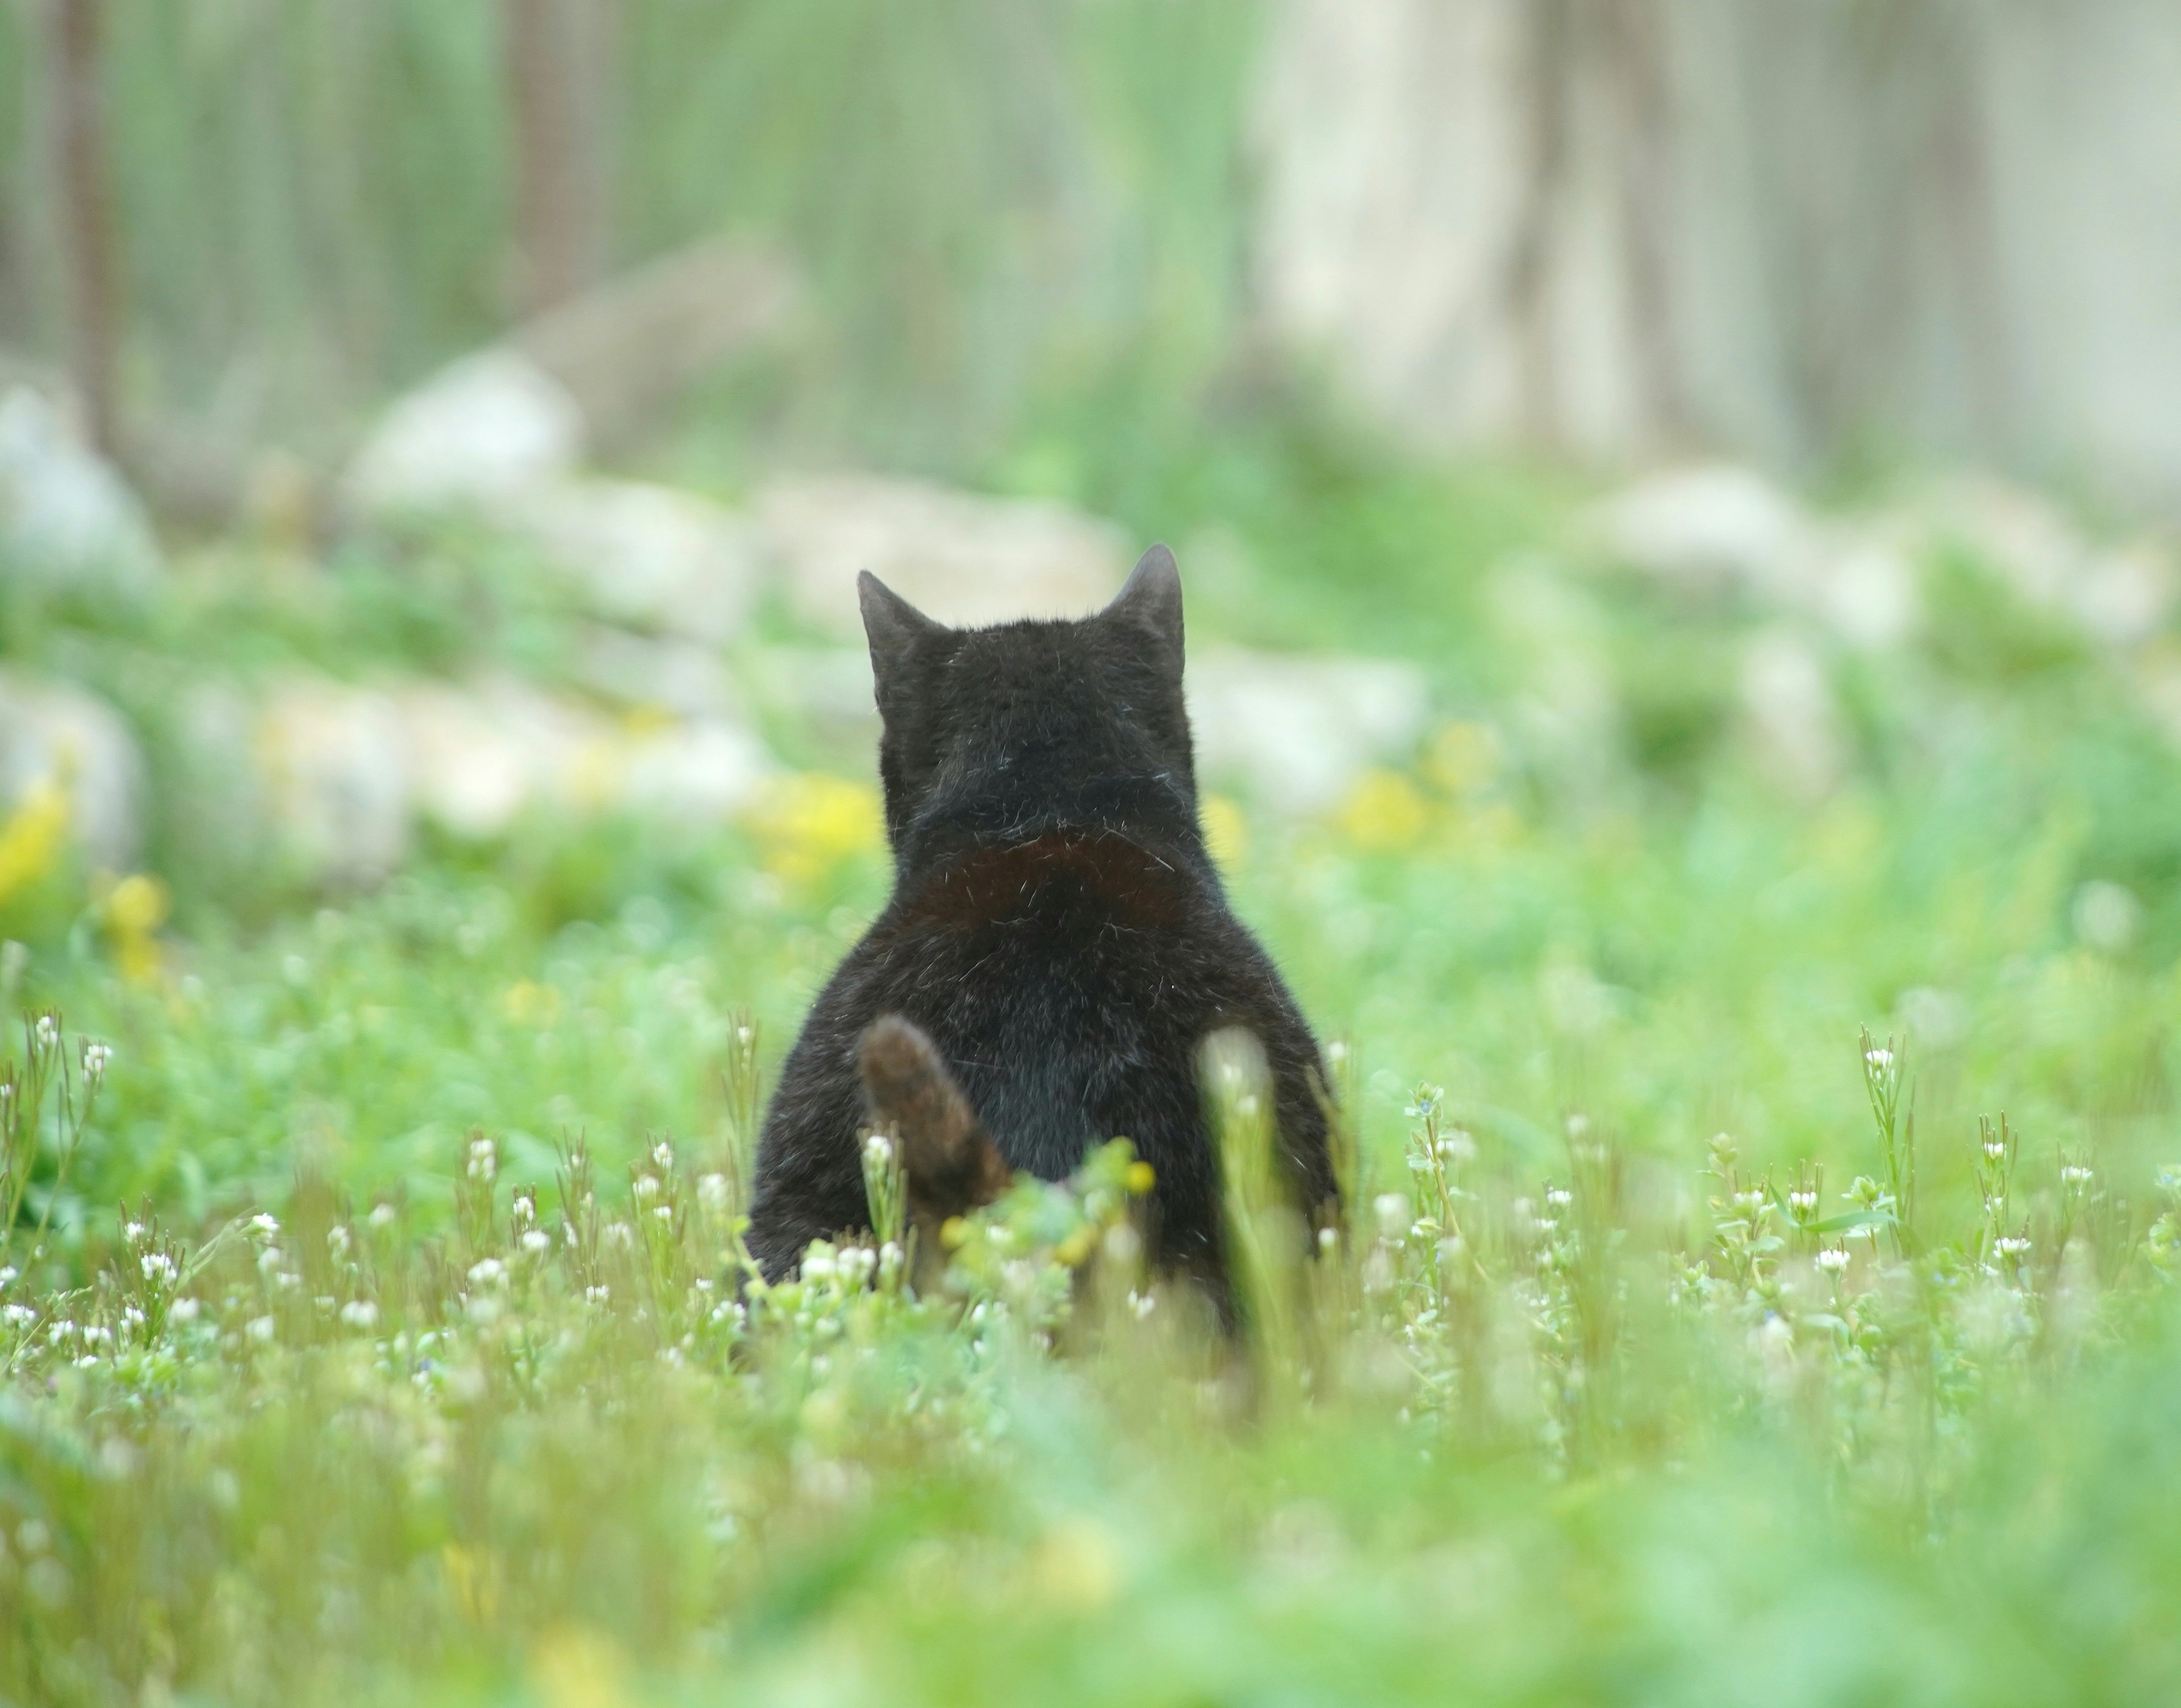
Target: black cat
x=1057, y=948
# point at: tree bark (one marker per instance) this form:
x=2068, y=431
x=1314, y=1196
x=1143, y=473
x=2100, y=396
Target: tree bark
x=556, y=60
x=84, y=202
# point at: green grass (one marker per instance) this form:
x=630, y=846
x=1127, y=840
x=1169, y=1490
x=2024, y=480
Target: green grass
x=1570, y=1415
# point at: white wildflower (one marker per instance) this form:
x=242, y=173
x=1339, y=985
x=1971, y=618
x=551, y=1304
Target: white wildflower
x=1833, y=1260
x=597, y=1295
x=17, y=1316
x=383, y=1215
x=538, y=1241
x=878, y=1151
x=260, y=1328
x=360, y=1314
x=712, y=1193
x=646, y=1187
x=487, y=1272
x=1880, y=1058
x=266, y=1225
x=1392, y=1208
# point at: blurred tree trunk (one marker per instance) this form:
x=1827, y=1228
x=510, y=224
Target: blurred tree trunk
x=83, y=201
x=558, y=56
x=1802, y=230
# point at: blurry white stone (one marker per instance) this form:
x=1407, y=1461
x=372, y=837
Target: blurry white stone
x=2106, y=915
x=490, y=426
x=646, y=554
x=1709, y=528
x=67, y=519
x=485, y=753
x=474, y=766
x=700, y=772
x=830, y=687
x=960, y=558
x=681, y=677
x=1298, y=731
x=335, y=763
x=2125, y=597
x=50, y=732
x=1865, y=590
x=1793, y=720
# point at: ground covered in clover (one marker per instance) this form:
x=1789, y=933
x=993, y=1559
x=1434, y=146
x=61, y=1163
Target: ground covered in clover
x=1760, y=1281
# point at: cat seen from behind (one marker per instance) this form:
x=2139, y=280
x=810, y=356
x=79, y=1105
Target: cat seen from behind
x=1056, y=950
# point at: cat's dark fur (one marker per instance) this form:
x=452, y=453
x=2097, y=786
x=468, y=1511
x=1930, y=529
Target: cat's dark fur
x=1056, y=931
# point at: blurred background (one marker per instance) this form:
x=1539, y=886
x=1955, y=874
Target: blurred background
x=1676, y=497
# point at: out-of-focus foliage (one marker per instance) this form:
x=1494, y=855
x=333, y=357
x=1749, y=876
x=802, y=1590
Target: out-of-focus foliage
x=313, y=196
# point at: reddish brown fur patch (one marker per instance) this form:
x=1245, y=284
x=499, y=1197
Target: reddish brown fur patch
x=1120, y=879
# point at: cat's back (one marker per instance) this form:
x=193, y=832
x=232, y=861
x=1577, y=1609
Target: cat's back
x=1067, y=976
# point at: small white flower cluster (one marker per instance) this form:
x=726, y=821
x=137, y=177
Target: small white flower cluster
x=1881, y=1059
x=712, y=1193
x=1833, y=1260
x=2076, y=1175
x=47, y=1032
x=96, y=1058
x=484, y=1161
x=2011, y=1245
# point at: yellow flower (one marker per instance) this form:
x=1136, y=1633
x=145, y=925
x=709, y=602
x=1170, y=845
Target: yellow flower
x=808, y=826
x=1464, y=758
x=474, y=1575
x=31, y=838
x=135, y=909
x=1226, y=831
x=1140, y=1178
x=528, y=1003
x=1385, y=813
x=578, y=1667
x=1077, y=1566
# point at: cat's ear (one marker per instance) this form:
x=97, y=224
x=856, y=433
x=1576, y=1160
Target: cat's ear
x=1150, y=601
x=893, y=626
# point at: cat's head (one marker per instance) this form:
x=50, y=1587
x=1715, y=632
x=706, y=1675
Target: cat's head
x=1005, y=732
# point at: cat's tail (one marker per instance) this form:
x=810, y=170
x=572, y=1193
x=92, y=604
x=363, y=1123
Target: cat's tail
x=949, y=1162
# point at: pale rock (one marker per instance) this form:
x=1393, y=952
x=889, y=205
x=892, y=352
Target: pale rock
x=491, y=426
x=829, y=687
x=1865, y=590
x=681, y=677
x=54, y=733
x=2127, y=597
x=960, y=558
x=485, y=754
x=1793, y=720
x=1297, y=732
x=2121, y=596
x=335, y=763
x=701, y=772
x=67, y=519
x=644, y=554
x=1711, y=528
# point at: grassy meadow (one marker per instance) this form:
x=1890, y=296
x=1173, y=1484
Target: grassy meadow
x=1758, y=1284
